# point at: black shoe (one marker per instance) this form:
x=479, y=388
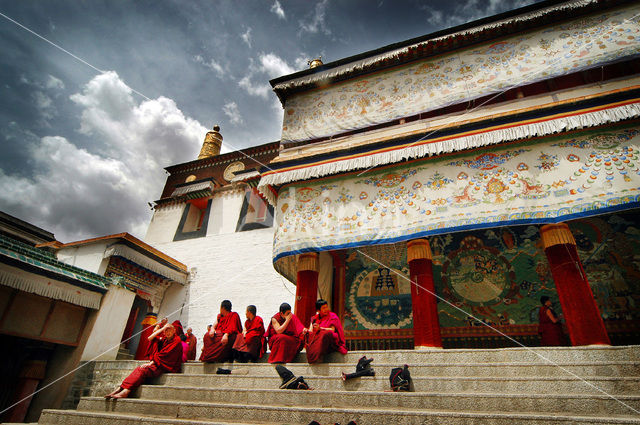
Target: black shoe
x=222, y=371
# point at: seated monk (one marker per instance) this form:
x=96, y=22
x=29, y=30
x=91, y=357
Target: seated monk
x=179, y=331
x=285, y=335
x=167, y=357
x=219, y=340
x=152, y=348
x=249, y=345
x=325, y=334
x=192, y=341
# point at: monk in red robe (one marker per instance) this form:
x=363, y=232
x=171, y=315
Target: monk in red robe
x=179, y=331
x=550, y=327
x=167, y=357
x=325, y=334
x=192, y=341
x=152, y=348
x=249, y=345
x=219, y=340
x=285, y=335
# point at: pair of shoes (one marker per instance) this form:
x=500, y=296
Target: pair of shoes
x=363, y=363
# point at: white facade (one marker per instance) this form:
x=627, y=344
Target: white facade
x=104, y=340
x=224, y=264
x=164, y=223
x=89, y=257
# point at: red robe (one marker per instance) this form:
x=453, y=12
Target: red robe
x=551, y=334
x=286, y=345
x=167, y=357
x=253, y=341
x=322, y=342
x=214, y=351
x=192, y=341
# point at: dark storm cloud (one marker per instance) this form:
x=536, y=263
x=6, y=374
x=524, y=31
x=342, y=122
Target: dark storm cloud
x=82, y=153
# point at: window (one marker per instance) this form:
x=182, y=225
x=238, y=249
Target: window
x=195, y=218
x=255, y=213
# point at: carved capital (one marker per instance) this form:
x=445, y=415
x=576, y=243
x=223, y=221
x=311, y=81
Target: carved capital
x=418, y=249
x=308, y=261
x=556, y=234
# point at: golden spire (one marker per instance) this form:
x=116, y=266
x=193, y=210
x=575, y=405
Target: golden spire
x=212, y=143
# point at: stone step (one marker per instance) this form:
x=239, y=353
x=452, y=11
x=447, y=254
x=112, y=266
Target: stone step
x=495, y=402
x=103, y=418
x=501, y=355
x=452, y=384
x=537, y=355
x=363, y=416
x=584, y=370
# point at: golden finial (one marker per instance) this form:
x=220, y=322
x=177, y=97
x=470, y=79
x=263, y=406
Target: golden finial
x=212, y=143
x=315, y=62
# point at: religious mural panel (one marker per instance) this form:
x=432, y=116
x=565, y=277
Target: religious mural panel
x=378, y=294
x=467, y=74
x=495, y=275
x=609, y=247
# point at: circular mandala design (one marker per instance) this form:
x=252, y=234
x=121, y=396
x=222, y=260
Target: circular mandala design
x=478, y=275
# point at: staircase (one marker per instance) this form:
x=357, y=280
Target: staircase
x=124, y=353
x=496, y=386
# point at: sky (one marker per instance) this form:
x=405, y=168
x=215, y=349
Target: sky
x=86, y=134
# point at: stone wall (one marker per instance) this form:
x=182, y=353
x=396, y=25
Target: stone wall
x=97, y=379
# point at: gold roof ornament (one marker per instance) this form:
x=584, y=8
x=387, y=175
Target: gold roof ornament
x=315, y=62
x=212, y=143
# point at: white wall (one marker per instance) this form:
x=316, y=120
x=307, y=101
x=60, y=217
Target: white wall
x=108, y=328
x=89, y=257
x=164, y=223
x=225, y=211
x=234, y=266
x=174, y=303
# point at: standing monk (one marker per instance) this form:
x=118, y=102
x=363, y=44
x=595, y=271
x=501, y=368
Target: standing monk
x=167, y=357
x=192, y=341
x=249, y=345
x=285, y=335
x=219, y=340
x=550, y=328
x=325, y=334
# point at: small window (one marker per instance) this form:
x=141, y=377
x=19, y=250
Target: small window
x=195, y=218
x=256, y=213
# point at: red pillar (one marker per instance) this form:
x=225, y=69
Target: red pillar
x=306, y=287
x=148, y=323
x=580, y=311
x=426, y=326
x=33, y=371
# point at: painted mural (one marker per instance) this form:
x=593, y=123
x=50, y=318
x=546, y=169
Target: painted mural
x=609, y=247
x=496, y=275
x=378, y=296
